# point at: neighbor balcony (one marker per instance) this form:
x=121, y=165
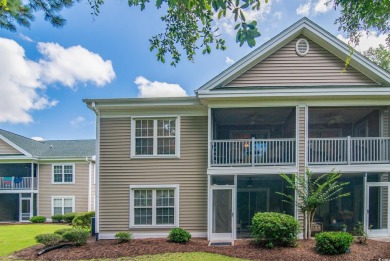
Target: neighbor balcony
x=349, y=150
x=18, y=183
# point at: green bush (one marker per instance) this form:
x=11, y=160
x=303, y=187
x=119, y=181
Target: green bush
x=48, y=239
x=274, y=229
x=333, y=243
x=179, y=235
x=62, y=231
x=83, y=220
x=123, y=237
x=38, y=219
x=76, y=236
x=57, y=218
x=68, y=217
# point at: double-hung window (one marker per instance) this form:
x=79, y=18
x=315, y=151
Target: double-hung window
x=62, y=205
x=155, y=137
x=154, y=206
x=63, y=173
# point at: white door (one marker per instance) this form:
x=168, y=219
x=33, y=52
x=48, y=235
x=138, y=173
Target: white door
x=222, y=213
x=377, y=202
x=25, y=212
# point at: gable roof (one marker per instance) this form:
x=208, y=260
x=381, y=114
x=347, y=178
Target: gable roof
x=314, y=32
x=49, y=148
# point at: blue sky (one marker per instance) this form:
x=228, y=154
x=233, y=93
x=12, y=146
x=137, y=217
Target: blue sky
x=42, y=89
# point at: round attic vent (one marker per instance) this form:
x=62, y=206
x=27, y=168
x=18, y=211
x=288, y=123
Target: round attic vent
x=302, y=47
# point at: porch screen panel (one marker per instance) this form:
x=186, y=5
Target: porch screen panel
x=143, y=207
x=376, y=217
x=222, y=211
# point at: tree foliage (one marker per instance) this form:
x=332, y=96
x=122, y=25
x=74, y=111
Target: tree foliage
x=313, y=192
x=380, y=56
x=190, y=24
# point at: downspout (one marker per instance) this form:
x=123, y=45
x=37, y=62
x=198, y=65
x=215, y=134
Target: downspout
x=97, y=169
x=89, y=183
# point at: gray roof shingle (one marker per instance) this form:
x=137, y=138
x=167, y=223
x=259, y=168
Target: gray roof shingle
x=52, y=148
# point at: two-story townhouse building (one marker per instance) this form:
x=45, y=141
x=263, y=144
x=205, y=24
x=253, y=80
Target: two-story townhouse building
x=45, y=177
x=208, y=163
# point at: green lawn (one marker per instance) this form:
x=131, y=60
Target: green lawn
x=17, y=237
x=192, y=256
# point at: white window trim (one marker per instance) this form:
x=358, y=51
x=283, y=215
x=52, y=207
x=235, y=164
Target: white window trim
x=63, y=197
x=63, y=164
x=154, y=187
x=155, y=155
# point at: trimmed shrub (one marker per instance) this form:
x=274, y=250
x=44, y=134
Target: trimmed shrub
x=83, y=220
x=57, y=218
x=179, y=235
x=78, y=237
x=68, y=217
x=333, y=243
x=38, y=219
x=271, y=229
x=62, y=231
x=48, y=239
x=123, y=237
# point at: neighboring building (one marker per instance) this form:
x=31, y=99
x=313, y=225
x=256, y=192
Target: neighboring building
x=208, y=163
x=45, y=177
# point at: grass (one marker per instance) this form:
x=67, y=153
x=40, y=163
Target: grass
x=17, y=237
x=193, y=256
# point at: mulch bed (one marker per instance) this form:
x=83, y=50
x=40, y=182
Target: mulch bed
x=373, y=250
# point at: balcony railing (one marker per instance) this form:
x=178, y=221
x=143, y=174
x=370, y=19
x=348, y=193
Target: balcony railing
x=349, y=150
x=17, y=183
x=252, y=152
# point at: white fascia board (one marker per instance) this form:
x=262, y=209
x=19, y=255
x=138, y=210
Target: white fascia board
x=358, y=168
x=15, y=146
x=300, y=92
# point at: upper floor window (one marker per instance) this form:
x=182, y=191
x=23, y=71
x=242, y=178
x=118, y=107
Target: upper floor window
x=155, y=137
x=63, y=173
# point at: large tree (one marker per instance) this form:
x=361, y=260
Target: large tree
x=380, y=56
x=189, y=24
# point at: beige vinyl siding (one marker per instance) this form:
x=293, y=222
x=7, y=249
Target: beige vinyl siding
x=302, y=147
x=6, y=149
x=286, y=68
x=93, y=187
x=47, y=189
x=118, y=172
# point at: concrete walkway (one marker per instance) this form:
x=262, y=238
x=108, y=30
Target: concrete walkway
x=381, y=239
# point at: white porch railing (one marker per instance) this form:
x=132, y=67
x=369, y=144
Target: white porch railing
x=252, y=152
x=17, y=183
x=349, y=150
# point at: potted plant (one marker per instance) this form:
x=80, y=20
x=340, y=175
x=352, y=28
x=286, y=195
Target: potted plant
x=344, y=227
x=359, y=233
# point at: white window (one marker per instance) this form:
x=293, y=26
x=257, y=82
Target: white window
x=62, y=205
x=154, y=206
x=63, y=173
x=155, y=137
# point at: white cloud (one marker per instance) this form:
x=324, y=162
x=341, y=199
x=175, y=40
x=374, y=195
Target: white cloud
x=147, y=89
x=26, y=38
x=76, y=122
x=229, y=61
x=278, y=15
x=20, y=89
x=226, y=24
x=304, y=9
x=367, y=41
x=73, y=64
x=24, y=82
x=322, y=6
x=38, y=138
